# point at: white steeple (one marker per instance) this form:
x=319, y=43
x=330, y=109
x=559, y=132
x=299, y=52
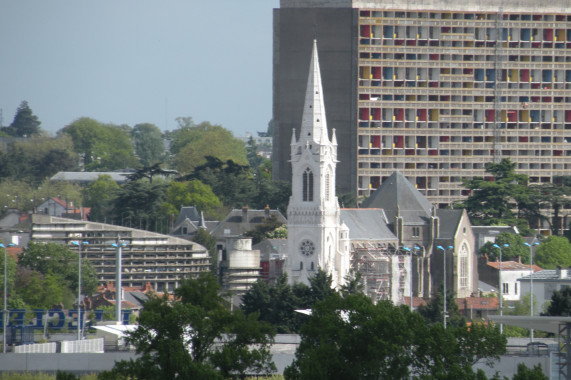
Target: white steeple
x=313, y=122
x=313, y=210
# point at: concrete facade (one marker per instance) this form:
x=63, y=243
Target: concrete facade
x=429, y=88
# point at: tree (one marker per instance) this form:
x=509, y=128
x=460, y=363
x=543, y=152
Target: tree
x=516, y=248
x=554, y=195
x=493, y=199
x=148, y=141
x=553, y=252
x=139, y=202
x=180, y=339
x=101, y=146
x=25, y=123
x=208, y=241
x=100, y=196
x=433, y=311
x=188, y=193
x=262, y=231
x=191, y=144
x=560, y=304
x=58, y=260
x=352, y=338
x=524, y=373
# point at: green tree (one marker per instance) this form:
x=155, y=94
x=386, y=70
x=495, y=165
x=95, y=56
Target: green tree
x=38, y=290
x=25, y=123
x=554, y=196
x=100, y=196
x=139, y=203
x=493, y=199
x=524, y=373
x=58, y=260
x=188, y=193
x=262, y=231
x=232, y=183
x=101, y=146
x=191, y=144
x=208, y=241
x=148, y=141
x=560, y=304
x=179, y=339
x=516, y=248
x=433, y=311
x=553, y=252
x=352, y=338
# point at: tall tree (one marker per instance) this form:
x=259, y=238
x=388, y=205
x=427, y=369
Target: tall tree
x=554, y=196
x=25, y=123
x=139, y=203
x=101, y=146
x=148, y=141
x=493, y=199
x=191, y=144
x=560, y=304
x=179, y=339
x=100, y=196
x=553, y=252
x=190, y=193
x=352, y=338
x=516, y=248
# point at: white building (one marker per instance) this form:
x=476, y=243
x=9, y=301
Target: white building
x=316, y=238
x=545, y=282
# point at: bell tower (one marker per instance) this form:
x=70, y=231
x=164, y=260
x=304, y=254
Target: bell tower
x=313, y=210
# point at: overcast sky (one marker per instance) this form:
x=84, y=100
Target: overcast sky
x=138, y=61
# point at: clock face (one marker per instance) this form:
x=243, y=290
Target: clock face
x=307, y=248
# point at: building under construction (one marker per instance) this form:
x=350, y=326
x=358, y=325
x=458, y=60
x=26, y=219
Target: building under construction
x=431, y=88
x=385, y=272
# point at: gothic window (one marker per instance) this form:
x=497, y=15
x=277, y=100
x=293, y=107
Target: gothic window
x=312, y=266
x=301, y=265
x=415, y=232
x=307, y=185
x=327, y=186
x=463, y=268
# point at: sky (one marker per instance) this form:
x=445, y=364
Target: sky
x=138, y=61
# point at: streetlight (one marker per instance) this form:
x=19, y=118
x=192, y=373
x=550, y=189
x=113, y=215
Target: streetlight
x=445, y=293
x=118, y=296
x=407, y=249
x=5, y=310
x=500, y=285
x=79, y=244
x=534, y=242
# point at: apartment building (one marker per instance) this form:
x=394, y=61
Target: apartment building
x=431, y=88
x=147, y=258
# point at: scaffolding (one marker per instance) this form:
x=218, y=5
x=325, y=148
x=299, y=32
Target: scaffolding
x=385, y=271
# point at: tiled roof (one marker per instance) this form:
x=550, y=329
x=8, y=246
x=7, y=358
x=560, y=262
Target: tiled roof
x=478, y=303
x=512, y=265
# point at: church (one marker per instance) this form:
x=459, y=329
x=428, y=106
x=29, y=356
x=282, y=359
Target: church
x=399, y=242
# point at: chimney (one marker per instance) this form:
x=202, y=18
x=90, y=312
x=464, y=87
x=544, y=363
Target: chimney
x=561, y=272
x=245, y=214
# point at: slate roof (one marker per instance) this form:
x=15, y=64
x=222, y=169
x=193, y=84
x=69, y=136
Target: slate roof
x=548, y=275
x=86, y=177
x=239, y=221
x=397, y=191
x=449, y=222
x=366, y=224
x=187, y=212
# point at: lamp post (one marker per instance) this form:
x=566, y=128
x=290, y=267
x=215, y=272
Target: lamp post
x=445, y=313
x=5, y=309
x=407, y=249
x=534, y=242
x=118, y=270
x=79, y=244
x=500, y=285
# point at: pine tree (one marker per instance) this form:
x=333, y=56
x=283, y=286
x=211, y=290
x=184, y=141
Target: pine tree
x=25, y=123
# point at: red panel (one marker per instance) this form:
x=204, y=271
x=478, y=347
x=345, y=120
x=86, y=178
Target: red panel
x=422, y=114
x=376, y=141
x=376, y=113
x=524, y=75
x=365, y=30
x=376, y=73
x=364, y=114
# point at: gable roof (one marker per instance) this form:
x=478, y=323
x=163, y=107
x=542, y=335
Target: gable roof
x=449, y=221
x=396, y=192
x=240, y=221
x=366, y=224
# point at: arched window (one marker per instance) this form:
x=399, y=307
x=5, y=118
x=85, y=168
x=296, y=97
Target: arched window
x=307, y=185
x=312, y=265
x=301, y=265
x=463, y=268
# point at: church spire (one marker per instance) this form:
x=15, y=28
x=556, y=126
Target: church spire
x=313, y=122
